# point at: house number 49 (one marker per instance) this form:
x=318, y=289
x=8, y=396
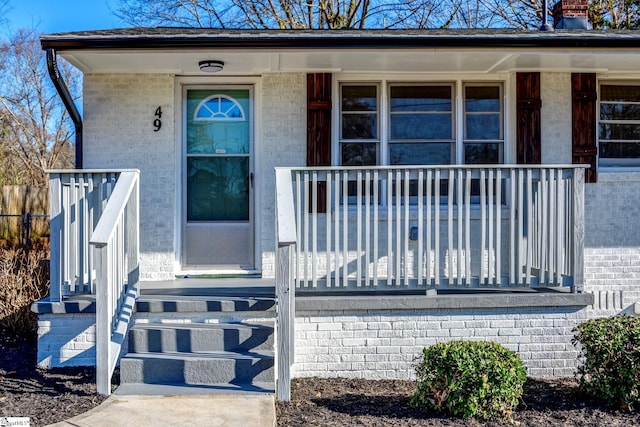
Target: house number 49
x=157, y=123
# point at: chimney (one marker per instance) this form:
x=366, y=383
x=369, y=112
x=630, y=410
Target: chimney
x=571, y=15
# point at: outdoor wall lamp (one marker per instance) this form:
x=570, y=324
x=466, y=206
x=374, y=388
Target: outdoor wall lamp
x=211, y=66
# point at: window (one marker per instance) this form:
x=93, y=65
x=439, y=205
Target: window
x=421, y=127
x=422, y=124
x=483, y=130
x=619, y=126
x=359, y=125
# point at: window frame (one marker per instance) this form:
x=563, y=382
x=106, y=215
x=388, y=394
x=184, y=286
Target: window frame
x=505, y=82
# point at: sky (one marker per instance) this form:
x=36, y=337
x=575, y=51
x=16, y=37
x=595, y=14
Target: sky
x=54, y=16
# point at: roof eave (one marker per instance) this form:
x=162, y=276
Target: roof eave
x=598, y=40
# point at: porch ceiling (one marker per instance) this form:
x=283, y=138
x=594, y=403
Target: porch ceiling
x=426, y=60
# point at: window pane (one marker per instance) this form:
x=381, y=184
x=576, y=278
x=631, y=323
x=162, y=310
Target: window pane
x=359, y=154
x=483, y=126
x=483, y=154
x=619, y=93
x=222, y=136
x=420, y=154
x=482, y=98
x=359, y=98
x=617, y=131
x=217, y=189
x=619, y=112
x=421, y=126
x=619, y=150
x=359, y=126
x=420, y=98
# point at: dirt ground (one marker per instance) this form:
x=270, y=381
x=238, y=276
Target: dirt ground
x=344, y=402
x=50, y=396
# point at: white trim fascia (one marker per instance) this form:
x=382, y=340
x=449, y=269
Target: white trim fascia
x=419, y=77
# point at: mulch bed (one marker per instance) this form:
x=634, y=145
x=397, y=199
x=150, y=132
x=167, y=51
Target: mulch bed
x=47, y=396
x=50, y=396
x=349, y=402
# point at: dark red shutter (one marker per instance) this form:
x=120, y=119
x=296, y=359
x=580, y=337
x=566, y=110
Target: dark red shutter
x=584, y=97
x=319, y=127
x=528, y=126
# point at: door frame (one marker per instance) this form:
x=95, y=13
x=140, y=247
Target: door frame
x=182, y=84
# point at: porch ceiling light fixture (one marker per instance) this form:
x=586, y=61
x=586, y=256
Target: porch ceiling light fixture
x=211, y=65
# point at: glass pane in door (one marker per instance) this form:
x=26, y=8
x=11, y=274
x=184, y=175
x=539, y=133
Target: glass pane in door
x=218, y=189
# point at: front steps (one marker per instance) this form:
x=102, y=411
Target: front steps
x=183, y=344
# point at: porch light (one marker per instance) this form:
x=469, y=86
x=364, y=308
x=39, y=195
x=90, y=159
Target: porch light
x=211, y=66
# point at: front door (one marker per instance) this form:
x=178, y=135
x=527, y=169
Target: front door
x=218, y=178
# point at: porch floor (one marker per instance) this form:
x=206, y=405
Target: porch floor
x=227, y=287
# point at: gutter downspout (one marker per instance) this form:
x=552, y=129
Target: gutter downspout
x=67, y=100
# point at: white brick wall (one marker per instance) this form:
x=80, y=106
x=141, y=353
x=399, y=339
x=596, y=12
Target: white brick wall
x=66, y=340
x=612, y=242
x=555, y=93
x=119, y=133
x=385, y=344
x=284, y=143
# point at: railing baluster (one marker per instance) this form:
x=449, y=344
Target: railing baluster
x=336, y=230
x=305, y=229
x=530, y=225
x=74, y=231
x=359, y=229
x=420, y=254
x=299, y=208
x=345, y=228
x=398, y=237
x=491, y=249
x=498, y=227
x=460, y=239
x=389, y=228
x=405, y=234
x=561, y=209
x=436, y=231
x=329, y=212
x=428, y=226
x=483, y=226
x=367, y=230
x=450, y=197
x=513, y=185
x=467, y=240
x=376, y=223
x=314, y=230
x=521, y=242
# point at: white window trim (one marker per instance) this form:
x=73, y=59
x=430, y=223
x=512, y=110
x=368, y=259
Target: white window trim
x=458, y=81
x=606, y=165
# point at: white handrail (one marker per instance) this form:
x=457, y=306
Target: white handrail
x=116, y=252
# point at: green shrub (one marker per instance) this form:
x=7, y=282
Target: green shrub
x=610, y=371
x=470, y=379
x=23, y=279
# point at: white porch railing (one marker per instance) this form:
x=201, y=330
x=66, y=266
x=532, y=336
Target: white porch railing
x=423, y=228
x=101, y=209
x=437, y=227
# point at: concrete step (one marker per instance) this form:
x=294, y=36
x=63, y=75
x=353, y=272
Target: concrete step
x=198, y=368
x=199, y=389
x=199, y=337
x=203, y=304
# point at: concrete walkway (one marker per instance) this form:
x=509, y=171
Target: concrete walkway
x=242, y=410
